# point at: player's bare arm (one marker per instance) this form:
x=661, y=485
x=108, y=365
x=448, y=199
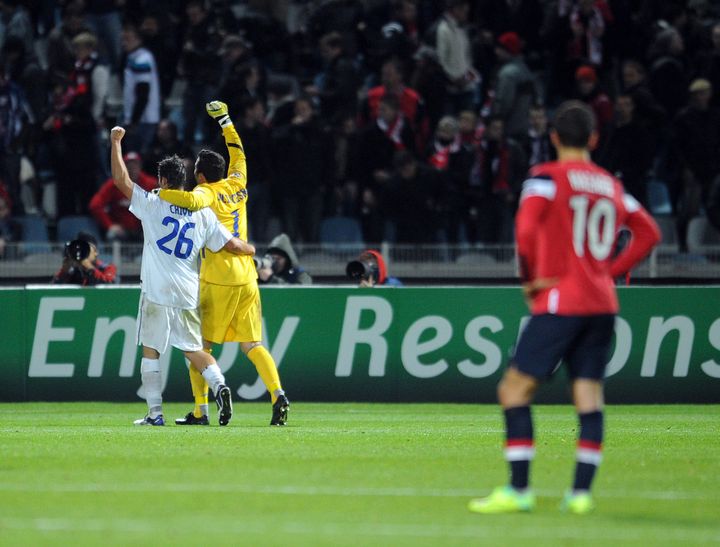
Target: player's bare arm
x=119, y=171
x=239, y=247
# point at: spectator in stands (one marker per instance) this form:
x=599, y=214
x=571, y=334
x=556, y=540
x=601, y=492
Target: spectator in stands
x=589, y=91
x=141, y=91
x=379, y=142
x=303, y=171
x=411, y=104
x=539, y=149
x=257, y=141
x=105, y=19
x=280, y=265
x=280, y=103
x=697, y=141
x=90, y=80
x=587, y=20
x=110, y=207
x=78, y=266
x=707, y=63
x=634, y=83
x=9, y=230
x=629, y=151
x=515, y=87
x=335, y=87
x=165, y=143
x=23, y=68
x=369, y=270
x=455, y=57
x=158, y=34
x=400, y=35
x=16, y=23
x=429, y=79
x=60, y=54
x=15, y=128
x=409, y=199
x=494, y=185
x=668, y=79
x=201, y=66
x=242, y=76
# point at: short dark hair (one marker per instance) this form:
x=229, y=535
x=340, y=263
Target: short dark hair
x=211, y=164
x=173, y=169
x=574, y=122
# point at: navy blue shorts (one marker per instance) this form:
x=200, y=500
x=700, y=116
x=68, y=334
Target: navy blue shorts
x=582, y=342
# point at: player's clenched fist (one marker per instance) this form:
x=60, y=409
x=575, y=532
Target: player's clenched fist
x=117, y=133
x=218, y=110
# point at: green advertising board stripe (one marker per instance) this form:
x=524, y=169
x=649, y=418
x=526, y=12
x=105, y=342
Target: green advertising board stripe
x=348, y=344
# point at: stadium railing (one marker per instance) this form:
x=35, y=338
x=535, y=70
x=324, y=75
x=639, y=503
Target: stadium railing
x=437, y=263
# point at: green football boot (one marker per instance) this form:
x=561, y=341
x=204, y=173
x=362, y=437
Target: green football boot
x=504, y=499
x=579, y=504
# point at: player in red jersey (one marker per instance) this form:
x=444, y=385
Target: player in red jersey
x=570, y=213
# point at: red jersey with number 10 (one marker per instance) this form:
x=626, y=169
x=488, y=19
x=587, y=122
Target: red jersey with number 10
x=566, y=228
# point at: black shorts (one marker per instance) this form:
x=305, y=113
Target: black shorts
x=582, y=342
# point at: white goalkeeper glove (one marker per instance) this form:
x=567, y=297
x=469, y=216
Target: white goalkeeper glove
x=218, y=111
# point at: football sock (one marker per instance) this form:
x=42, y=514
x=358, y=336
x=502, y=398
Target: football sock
x=519, y=445
x=589, y=449
x=266, y=368
x=152, y=382
x=199, y=390
x=214, y=377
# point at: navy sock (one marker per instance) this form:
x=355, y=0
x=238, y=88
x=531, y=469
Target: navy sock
x=589, y=449
x=519, y=445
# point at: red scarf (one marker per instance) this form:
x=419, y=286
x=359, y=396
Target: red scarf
x=393, y=131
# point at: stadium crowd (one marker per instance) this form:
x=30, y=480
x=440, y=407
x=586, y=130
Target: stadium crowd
x=417, y=118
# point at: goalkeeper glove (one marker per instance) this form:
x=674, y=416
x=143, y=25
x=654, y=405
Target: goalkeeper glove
x=219, y=112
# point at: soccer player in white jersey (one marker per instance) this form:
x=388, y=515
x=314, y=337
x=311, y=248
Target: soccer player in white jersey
x=168, y=314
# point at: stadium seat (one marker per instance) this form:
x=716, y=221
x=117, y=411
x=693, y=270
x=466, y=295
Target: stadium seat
x=700, y=234
x=658, y=198
x=341, y=234
x=69, y=226
x=34, y=234
x=667, y=229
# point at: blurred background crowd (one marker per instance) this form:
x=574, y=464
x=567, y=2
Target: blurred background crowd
x=415, y=121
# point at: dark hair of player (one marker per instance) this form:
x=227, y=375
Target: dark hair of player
x=574, y=122
x=211, y=164
x=173, y=169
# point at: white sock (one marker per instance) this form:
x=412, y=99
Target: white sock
x=214, y=377
x=279, y=392
x=152, y=382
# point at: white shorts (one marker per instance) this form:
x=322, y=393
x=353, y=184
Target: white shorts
x=162, y=326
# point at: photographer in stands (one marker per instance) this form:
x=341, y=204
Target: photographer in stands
x=81, y=265
x=369, y=270
x=279, y=265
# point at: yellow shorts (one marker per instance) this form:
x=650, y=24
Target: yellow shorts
x=231, y=313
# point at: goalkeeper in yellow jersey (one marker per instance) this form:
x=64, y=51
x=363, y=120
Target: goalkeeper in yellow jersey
x=229, y=297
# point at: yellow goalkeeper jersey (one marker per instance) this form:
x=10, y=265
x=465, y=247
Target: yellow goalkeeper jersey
x=228, y=199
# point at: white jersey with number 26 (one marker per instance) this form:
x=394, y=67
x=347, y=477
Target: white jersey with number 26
x=174, y=238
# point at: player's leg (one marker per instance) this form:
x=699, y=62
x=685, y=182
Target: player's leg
x=267, y=370
x=152, y=385
x=199, y=414
x=186, y=336
x=214, y=325
x=247, y=327
x=207, y=366
x=154, y=337
x=540, y=348
x=586, y=364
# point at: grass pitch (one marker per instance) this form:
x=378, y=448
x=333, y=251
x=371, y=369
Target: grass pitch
x=346, y=474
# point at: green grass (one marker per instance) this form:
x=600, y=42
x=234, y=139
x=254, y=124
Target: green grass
x=350, y=474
